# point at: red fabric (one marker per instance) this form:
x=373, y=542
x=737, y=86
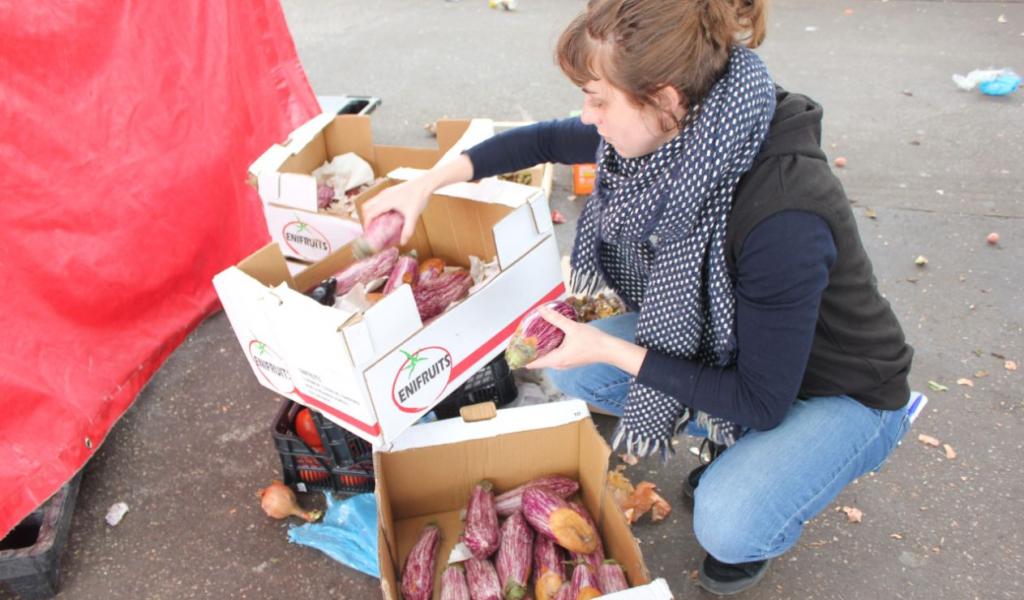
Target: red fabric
x=126, y=132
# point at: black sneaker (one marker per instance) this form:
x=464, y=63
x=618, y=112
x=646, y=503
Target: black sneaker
x=690, y=484
x=709, y=451
x=723, y=579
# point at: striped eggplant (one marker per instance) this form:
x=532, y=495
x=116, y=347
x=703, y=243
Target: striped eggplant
x=434, y=295
x=418, y=573
x=512, y=500
x=611, y=577
x=514, y=562
x=548, y=568
x=453, y=584
x=324, y=195
x=584, y=583
x=551, y=516
x=405, y=271
x=482, y=533
x=364, y=271
x=482, y=580
x=595, y=558
x=383, y=231
x=535, y=337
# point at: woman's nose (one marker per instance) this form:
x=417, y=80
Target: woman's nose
x=588, y=116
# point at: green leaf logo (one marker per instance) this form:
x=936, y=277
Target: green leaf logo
x=414, y=359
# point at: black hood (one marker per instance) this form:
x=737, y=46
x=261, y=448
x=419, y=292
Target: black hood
x=795, y=128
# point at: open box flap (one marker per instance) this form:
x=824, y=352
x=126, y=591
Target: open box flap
x=510, y=420
x=490, y=189
x=476, y=131
x=248, y=305
x=303, y=134
x=268, y=266
x=655, y=590
x=265, y=168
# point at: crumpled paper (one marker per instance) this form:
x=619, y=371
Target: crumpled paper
x=343, y=173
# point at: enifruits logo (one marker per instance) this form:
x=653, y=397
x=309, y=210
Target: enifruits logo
x=270, y=366
x=421, y=379
x=305, y=240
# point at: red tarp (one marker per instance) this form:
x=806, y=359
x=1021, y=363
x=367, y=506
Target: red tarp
x=126, y=132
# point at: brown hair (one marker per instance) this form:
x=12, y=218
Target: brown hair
x=639, y=46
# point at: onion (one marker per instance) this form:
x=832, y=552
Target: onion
x=279, y=502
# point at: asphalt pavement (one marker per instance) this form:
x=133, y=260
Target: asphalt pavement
x=931, y=171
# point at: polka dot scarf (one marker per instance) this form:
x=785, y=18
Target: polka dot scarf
x=654, y=231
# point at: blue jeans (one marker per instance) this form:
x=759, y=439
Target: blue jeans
x=754, y=499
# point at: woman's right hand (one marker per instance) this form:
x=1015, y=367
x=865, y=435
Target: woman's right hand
x=408, y=198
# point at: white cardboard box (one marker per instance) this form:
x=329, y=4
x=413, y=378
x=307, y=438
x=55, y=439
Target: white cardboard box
x=427, y=475
x=376, y=374
x=282, y=176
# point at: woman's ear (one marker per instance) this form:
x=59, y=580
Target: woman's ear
x=671, y=103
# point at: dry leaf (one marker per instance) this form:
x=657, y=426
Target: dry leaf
x=853, y=515
x=661, y=509
x=645, y=498
x=981, y=373
x=950, y=452
x=620, y=487
x=1010, y=365
x=965, y=381
x=929, y=440
x=870, y=213
x=629, y=459
x=896, y=536
x=921, y=261
x=936, y=386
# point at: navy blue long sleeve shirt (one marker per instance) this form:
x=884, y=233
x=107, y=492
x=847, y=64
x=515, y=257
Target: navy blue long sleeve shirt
x=781, y=271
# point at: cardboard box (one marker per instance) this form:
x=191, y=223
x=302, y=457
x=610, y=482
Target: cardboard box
x=375, y=374
x=429, y=472
x=282, y=176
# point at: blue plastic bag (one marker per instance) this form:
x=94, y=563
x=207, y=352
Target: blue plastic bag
x=347, y=533
x=1003, y=84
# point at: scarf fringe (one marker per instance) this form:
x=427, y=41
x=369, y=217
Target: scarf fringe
x=639, y=446
x=585, y=283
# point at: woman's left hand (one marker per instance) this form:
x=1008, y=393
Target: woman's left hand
x=583, y=344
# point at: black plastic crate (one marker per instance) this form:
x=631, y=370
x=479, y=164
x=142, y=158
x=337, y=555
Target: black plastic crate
x=349, y=105
x=493, y=383
x=345, y=466
x=30, y=553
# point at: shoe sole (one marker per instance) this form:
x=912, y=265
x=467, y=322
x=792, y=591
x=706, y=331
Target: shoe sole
x=733, y=587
